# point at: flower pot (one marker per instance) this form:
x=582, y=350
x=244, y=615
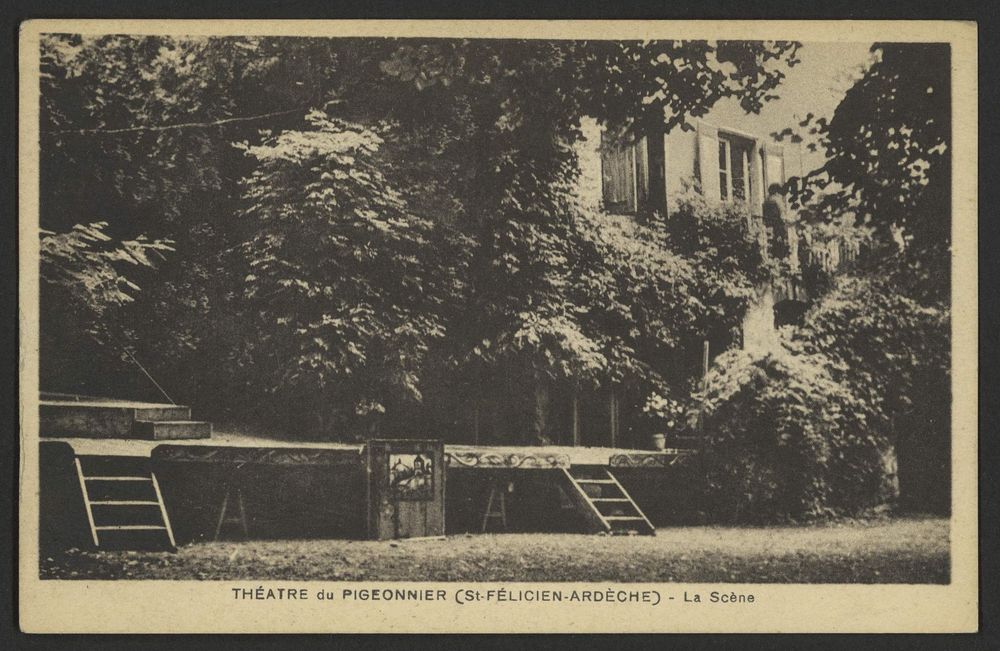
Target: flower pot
x=659, y=441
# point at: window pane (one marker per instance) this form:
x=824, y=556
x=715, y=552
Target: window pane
x=723, y=158
x=723, y=189
x=738, y=172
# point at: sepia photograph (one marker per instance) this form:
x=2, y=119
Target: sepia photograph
x=457, y=309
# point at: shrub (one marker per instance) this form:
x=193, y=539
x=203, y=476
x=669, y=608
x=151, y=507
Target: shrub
x=784, y=441
x=893, y=351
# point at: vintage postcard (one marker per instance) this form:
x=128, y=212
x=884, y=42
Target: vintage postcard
x=487, y=326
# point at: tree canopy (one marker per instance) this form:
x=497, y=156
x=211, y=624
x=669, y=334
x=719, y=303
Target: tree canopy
x=887, y=146
x=346, y=216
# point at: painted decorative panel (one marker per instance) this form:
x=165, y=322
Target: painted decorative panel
x=406, y=483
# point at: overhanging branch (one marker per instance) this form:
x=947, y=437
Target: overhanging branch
x=182, y=125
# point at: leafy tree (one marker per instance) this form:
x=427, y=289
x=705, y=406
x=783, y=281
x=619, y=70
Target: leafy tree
x=81, y=273
x=518, y=105
x=348, y=289
x=654, y=292
x=888, y=149
x=137, y=132
x=89, y=274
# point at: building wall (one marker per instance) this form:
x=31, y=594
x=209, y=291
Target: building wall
x=681, y=162
x=759, y=332
x=690, y=156
x=588, y=184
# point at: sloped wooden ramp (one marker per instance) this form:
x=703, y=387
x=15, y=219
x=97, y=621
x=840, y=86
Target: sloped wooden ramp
x=123, y=502
x=604, y=502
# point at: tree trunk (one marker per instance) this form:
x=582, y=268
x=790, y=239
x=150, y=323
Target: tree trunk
x=539, y=412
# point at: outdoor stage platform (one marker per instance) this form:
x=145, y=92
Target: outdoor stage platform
x=230, y=445
x=94, y=426
x=122, y=470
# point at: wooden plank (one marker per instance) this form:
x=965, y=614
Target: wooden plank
x=95, y=478
x=522, y=458
x=395, y=515
x=421, y=539
x=640, y=165
x=630, y=179
x=238, y=455
x=666, y=185
x=745, y=161
x=243, y=513
x=576, y=416
x=619, y=173
x=222, y=515
x=369, y=503
x=613, y=417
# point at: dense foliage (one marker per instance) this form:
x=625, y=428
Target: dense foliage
x=888, y=329
x=893, y=354
x=360, y=236
x=877, y=339
x=653, y=292
x=888, y=148
x=347, y=288
x=397, y=216
x=78, y=262
x=785, y=441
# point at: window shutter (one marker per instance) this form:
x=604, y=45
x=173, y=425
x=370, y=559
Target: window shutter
x=708, y=162
x=757, y=189
x=774, y=165
x=641, y=154
x=617, y=174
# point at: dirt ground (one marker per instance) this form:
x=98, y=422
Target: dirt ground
x=903, y=550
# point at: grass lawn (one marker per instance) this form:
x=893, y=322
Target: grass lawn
x=901, y=550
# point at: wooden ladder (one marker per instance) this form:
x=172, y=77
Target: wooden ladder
x=605, y=503
x=123, y=502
